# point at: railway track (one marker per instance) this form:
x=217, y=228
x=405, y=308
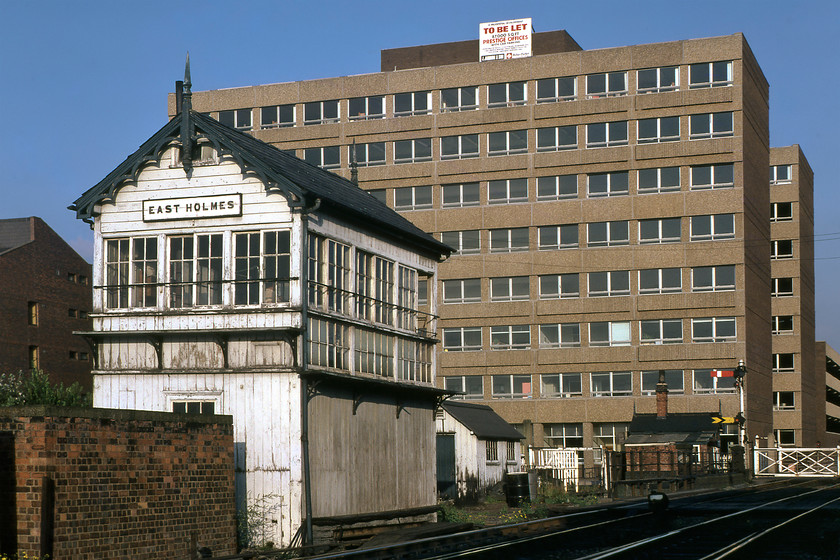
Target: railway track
x=800, y=520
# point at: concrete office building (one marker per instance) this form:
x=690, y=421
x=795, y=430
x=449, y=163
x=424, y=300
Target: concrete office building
x=610, y=209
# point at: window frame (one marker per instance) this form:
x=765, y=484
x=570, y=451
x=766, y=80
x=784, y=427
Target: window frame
x=511, y=141
x=512, y=191
x=466, y=385
x=715, y=323
x=368, y=101
x=782, y=287
x=460, y=247
x=421, y=196
x=783, y=362
x=781, y=249
x=661, y=225
x=715, y=222
x=549, y=138
x=322, y=156
x=714, y=285
x=659, y=79
x=466, y=343
x=510, y=337
x=513, y=380
x=660, y=337
x=278, y=121
x=556, y=190
x=567, y=285
x=774, y=174
x=507, y=235
x=712, y=385
x=447, y=154
x=622, y=187
x=661, y=287
x=461, y=105
x=240, y=119
x=610, y=239
x=570, y=340
x=781, y=212
x=609, y=141
x=649, y=389
x=462, y=189
x=324, y=111
x=658, y=186
x=414, y=96
x=781, y=403
x=614, y=378
x=779, y=323
x=555, y=86
x=510, y=288
x=514, y=94
x=551, y=238
x=711, y=70
x=704, y=126
x=657, y=136
x=569, y=385
x=611, y=277
x=610, y=88
x=612, y=336
x=714, y=170
x=366, y=160
x=468, y=290
x=418, y=148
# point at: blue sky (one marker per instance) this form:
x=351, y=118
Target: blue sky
x=84, y=83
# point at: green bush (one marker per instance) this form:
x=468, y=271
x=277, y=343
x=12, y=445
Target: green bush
x=34, y=387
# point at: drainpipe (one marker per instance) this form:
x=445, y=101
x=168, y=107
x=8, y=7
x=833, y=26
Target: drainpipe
x=304, y=357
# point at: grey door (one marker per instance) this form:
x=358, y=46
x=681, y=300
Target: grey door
x=446, y=484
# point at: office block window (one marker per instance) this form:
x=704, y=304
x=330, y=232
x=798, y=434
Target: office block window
x=713, y=329
x=506, y=191
x=413, y=198
x=560, y=335
x=607, y=134
x=609, y=84
x=462, y=339
x=660, y=280
x=511, y=386
x=466, y=290
x=613, y=283
x=673, y=378
x=663, y=129
x=239, y=119
x=782, y=324
x=715, y=227
x=710, y=125
x=459, y=99
x=563, y=435
x=413, y=151
x=366, y=108
x=510, y=288
x=658, y=180
x=507, y=143
x=662, y=230
x=459, y=147
x=785, y=438
x=713, y=278
x=554, y=286
x=615, y=183
x=783, y=400
x=367, y=155
x=508, y=94
x=561, y=385
x=460, y=195
x=781, y=287
x=413, y=103
x=550, y=90
x=379, y=194
x=704, y=383
x=661, y=331
x=467, y=242
x=471, y=385
x=277, y=116
x=609, y=333
x=556, y=138
x=710, y=74
x=783, y=363
x=608, y=234
x=556, y=187
x=320, y=112
x=327, y=157
x=781, y=249
x=611, y=383
x=508, y=240
x=510, y=337
x=781, y=212
x=780, y=174
x=558, y=237
x=654, y=80
x=705, y=177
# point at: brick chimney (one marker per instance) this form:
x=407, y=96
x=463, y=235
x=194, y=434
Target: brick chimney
x=661, y=396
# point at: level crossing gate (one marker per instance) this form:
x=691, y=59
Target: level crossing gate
x=796, y=461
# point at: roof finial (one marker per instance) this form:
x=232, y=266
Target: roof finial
x=186, y=120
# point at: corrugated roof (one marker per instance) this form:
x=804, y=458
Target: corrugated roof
x=482, y=421
x=302, y=183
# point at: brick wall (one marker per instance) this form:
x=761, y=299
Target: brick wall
x=101, y=483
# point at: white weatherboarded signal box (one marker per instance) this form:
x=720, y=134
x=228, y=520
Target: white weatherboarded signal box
x=501, y=40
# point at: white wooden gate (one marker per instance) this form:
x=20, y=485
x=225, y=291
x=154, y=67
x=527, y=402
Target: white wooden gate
x=796, y=461
x=563, y=464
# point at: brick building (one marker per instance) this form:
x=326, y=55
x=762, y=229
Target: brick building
x=45, y=295
x=611, y=214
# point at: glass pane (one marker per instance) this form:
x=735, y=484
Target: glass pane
x=647, y=79
x=620, y=333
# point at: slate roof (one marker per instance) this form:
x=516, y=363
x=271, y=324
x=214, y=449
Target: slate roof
x=674, y=428
x=14, y=232
x=301, y=182
x=481, y=420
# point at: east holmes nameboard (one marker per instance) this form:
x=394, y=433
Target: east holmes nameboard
x=192, y=208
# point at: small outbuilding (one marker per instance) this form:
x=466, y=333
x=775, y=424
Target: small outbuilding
x=475, y=448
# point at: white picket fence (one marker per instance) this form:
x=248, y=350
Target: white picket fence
x=796, y=461
x=562, y=464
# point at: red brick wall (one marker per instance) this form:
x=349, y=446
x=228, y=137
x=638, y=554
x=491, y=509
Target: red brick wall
x=39, y=271
x=127, y=484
